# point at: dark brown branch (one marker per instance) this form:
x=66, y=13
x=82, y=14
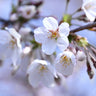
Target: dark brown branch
x=88, y=26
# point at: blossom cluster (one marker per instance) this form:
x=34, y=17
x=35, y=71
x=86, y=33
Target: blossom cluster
x=50, y=37
x=53, y=51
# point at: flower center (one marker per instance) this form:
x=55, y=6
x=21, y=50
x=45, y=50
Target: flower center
x=42, y=67
x=12, y=42
x=55, y=34
x=65, y=61
x=28, y=12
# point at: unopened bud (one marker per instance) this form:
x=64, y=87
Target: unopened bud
x=13, y=17
x=81, y=56
x=90, y=70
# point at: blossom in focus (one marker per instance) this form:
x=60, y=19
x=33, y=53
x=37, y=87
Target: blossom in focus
x=65, y=62
x=89, y=7
x=27, y=11
x=52, y=35
x=41, y=72
x=10, y=46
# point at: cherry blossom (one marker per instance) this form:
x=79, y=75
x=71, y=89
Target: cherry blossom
x=65, y=62
x=89, y=7
x=41, y=72
x=52, y=35
x=10, y=46
x=27, y=11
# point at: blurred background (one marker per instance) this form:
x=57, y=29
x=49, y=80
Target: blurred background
x=78, y=84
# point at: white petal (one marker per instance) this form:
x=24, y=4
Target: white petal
x=50, y=23
x=91, y=17
x=91, y=10
x=65, y=70
x=40, y=34
x=62, y=43
x=13, y=33
x=16, y=53
x=64, y=29
x=5, y=51
x=34, y=78
x=49, y=46
x=52, y=69
x=4, y=37
x=47, y=79
x=19, y=44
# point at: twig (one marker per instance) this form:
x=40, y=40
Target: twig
x=88, y=26
x=6, y=21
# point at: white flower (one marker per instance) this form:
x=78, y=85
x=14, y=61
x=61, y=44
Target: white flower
x=10, y=46
x=41, y=72
x=52, y=35
x=65, y=62
x=27, y=11
x=89, y=7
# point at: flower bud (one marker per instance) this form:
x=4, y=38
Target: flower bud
x=80, y=56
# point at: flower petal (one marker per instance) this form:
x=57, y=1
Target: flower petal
x=50, y=23
x=40, y=34
x=90, y=16
x=62, y=43
x=89, y=7
x=47, y=79
x=64, y=29
x=4, y=37
x=65, y=70
x=34, y=78
x=16, y=55
x=49, y=46
x=5, y=51
x=13, y=33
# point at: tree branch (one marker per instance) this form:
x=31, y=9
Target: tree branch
x=91, y=25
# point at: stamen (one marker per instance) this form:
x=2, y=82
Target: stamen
x=42, y=67
x=12, y=42
x=28, y=12
x=65, y=61
x=55, y=34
